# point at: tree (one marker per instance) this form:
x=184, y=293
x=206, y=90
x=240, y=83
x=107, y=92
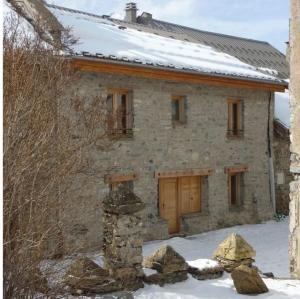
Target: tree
x=40, y=151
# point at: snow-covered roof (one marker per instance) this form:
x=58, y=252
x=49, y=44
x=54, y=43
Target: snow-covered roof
x=282, y=108
x=101, y=37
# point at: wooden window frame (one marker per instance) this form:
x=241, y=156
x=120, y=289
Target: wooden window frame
x=114, y=179
x=115, y=126
x=238, y=172
x=233, y=132
x=182, y=118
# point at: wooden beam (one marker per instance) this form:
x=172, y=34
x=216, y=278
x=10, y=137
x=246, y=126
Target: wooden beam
x=236, y=169
x=92, y=65
x=185, y=172
x=116, y=178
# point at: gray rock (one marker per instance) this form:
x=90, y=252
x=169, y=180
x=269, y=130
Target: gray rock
x=86, y=277
x=165, y=260
x=162, y=279
x=207, y=273
x=247, y=281
x=122, y=201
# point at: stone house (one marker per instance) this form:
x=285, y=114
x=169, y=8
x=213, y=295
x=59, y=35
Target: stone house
x=194, y=124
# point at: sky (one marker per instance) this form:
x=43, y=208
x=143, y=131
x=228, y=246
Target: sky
x=266, y=20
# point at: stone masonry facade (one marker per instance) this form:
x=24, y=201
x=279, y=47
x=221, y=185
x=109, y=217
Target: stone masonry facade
x=283, y=176
x=294, y=248
x=157, y=145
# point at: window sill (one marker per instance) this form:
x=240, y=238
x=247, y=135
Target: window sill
x=235, y=136
x=120, y=135
x=178, y=123
x=238, y=208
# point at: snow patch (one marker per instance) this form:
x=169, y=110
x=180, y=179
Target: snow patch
x=101, y=36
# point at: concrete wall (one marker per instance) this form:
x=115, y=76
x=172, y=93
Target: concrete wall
x=157, y=145
x=294, y=249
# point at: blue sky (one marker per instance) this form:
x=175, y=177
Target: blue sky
x=258, y=19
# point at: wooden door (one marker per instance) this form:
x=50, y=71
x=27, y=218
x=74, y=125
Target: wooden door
x=168, y=203
x=189, y=190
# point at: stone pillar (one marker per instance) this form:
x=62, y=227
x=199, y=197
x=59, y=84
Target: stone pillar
x=294, y=246
x=122, y=238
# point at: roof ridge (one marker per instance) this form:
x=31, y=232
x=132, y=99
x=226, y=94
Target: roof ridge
x=211, y=32
x=161, y=21
x=73, y=10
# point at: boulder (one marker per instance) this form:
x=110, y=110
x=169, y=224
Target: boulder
x=86, y=277
x=161, y=279
x=206, y=273
x=165, y=260
x=233, y=252
x=169, y=264
x=247, y=281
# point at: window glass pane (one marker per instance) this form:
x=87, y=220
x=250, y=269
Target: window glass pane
x=175, y=110
x=233, y=187
x=235, y=118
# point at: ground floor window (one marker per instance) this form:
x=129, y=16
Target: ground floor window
x=116, y=180
x=235, y=185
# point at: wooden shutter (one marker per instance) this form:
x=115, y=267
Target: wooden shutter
x=168, y=203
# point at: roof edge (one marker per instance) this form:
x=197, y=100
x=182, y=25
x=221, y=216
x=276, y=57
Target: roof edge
x=156, y=72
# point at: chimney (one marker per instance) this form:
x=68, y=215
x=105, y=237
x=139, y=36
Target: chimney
x=147, y=17
x=131, y=11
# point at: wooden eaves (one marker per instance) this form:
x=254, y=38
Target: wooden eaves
x=89, y=64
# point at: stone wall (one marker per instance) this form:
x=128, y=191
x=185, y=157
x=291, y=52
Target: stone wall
x=294, y=249
x=283, y=176
x=157, y=145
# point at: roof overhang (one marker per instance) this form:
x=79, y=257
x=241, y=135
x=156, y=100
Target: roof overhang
x=90, y=64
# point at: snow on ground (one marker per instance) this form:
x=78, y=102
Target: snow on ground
x=100, y=35
x=270, y=240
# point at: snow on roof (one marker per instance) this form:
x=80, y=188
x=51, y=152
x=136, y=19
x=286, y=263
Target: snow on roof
x=103, y=38
x=282, y=108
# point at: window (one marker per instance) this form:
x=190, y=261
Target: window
x=235, y=121
x=126, y=184
x=115, y=180
x=178, y=109
x=235, y=185
x=120, y=114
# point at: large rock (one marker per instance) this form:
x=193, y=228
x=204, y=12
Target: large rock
x=165, y=260
x=86, y=277
x=169, y=264
x=122, y=201
x=233, y=252
x=161, y=279
x=247, y=281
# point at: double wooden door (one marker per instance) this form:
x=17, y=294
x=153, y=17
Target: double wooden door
x=178, y=196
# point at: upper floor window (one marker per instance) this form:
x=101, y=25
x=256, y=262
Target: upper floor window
x=120, y=112
x=235, y=118
x=179, y=109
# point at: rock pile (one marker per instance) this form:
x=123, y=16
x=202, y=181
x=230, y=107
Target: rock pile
x=86, y=277
x=206, y=273
x=170, y=266
x=122, y=238
x=233, y=252
x=247, y=280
